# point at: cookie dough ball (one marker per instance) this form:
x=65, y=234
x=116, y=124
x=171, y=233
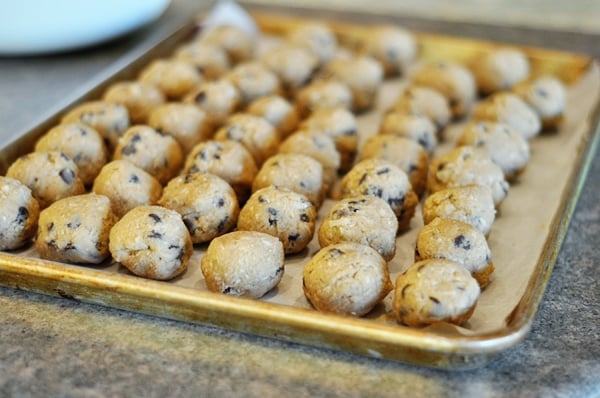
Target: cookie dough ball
x=187, y=123
x=402, y=152
x=253, y=80
x=175, y=78
x=238, y=45
x=435, y=290
x=547, y=96
x=347, y=279
x=157, y=153
x=395, y=48
x=207, y=204
x=317, y=37
x=75, y=229
x=277, y=111
x=218, y=99
x=229, y=160
x=140, y=98
x=19, y=212
x=80, y=143
x=50, y=176
x=319, y=147
x=452, y=80
x=243, y=263
x=509, y=109
x=425, y=101
x=151, y=242
x=255, y=133
x=472, y=204
x=505, y=146
x=500, y=70
x=466, y=166
x=457, y=241
x=282, y=213
x=362, y=74
x=323, y=94
x=340, y=125
x=362, y=219
x=297, y=172
x=109, y=120
x=210, y=59
x=413, y=126
x=383, y=180
x=127, y=186
x=293, y=64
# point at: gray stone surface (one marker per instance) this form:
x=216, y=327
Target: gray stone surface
x=58, y=347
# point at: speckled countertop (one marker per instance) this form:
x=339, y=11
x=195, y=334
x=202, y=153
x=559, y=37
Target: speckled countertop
x=58, y=347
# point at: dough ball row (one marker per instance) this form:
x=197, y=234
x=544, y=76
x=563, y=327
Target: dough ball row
x=226, y=145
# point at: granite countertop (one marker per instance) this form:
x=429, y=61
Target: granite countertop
x=56, y=347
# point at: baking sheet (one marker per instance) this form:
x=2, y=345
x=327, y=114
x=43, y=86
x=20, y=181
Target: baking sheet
x=520, y=241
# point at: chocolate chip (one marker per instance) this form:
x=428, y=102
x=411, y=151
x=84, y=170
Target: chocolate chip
x=541, y=92
x=335, y=252
x=220, y=202
x=174, y=247
x=200, y=97
x=22, y=215
x=441, y=166
x=222, y=224
x=188, y=178
x=67, y=175
x=434, y=299
x=304, y=217
x=395, y=202
x=69, y=246
x=385, y=170
x=83, y=132
x=155, y=235
x=466, y=156
x=272, y=216
x=403, y=291
x=293, y=237
x=50, y=226
x=279, y=271
x=349, y=132
x=227, y=290
x=339, y=213
x=129, y=149
x=374, y=190
x=181, y=254
x=193, y=169
x=363, y=178
x=261, y=199
x=423, y=141
x=420, y=267
x=134, y=179
x=462, y=242
x=52, y=244
x=155, y=217
x=74, y=225
x=189, y=222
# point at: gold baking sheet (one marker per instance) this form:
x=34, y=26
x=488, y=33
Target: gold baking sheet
x=524, y=241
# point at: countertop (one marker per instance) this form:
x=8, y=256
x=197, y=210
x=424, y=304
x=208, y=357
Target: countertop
x=57, y=347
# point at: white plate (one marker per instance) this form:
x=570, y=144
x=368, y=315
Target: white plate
x=30, y=27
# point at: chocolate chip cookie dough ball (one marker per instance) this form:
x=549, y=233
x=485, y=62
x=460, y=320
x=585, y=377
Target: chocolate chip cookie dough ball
x=425, y=101
x=282, y=213
x=151, y=242
x=317, y=37
x=412, y=126
x=293, y=64
x=362, y=219
x=383, y=180
x=452, y=80
x=80, y=143
x=210, y=59
x=226, y=159
x=277, y=111
x=340, y=125
x=50, y=176
x=175, y=78
x=253, y=80
x=297, y=172
x=140, y=98
x=395, y=48
x=207, y=204
x=362, y=74
x=19, y=212
x=500, y=70
x=466, y=166
x=547, y=96
x=218, y=99
x=505, y=146
x=319, y=147
x=435, y=290
x=109, y=120
x=259, y=137
x=127, y=186
x=323, y=94
x=187, y=123
x=238, y=45
x=157, y=153
x=404, y=153
x=509, y=109
x=75, y=229
x=457, y=241
x=243, y=263
x=472, y=204
x=347, y=279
